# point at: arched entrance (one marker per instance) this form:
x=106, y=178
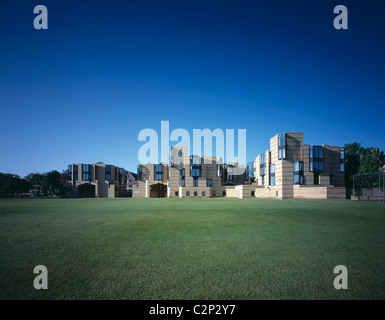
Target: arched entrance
x=158, y=190
x=86, y=190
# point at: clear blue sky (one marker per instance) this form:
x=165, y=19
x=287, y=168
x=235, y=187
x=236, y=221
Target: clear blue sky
x=83, y=89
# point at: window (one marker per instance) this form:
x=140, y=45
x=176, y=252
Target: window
x=195, y=166
x=262, y=165
x=176, y=193
x=195, y=182
x=158, y=171
x=86, y=172
x=252, y=193
x=208, y=182
x=195, y=193
x=332, y=179
x=263, y=180
x=182, y=180
x=219, y=170
x=140, y=172
x=187, y=193
x=342, y=160
x=108, y=172
x=224, y=193
x=214, y=193
x=298, y=172
x=229, y=172
x=316, y=162
x=282, y=146
x=120, y=176
x=316, y=178
x=75, y=171
x=272, y=175
x=69, y=176
x=203, y=193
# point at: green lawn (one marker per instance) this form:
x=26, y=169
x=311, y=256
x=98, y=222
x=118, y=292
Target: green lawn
x=191, y=249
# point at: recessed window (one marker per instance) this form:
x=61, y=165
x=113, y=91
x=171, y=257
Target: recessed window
x=298, y=172
x=342, y=160
x=187, y=193
x=86, y=172
x=214, y=193
x=204, y=193
x=316, y=158
x=262, y=165
x=282, y=146
x=208, y=182
x=108, y=172
x=272, y=175
x=195, y=193
x=158, y=171
x=224, y=193
x=176, y=193
x=316, y=178
x=229, y=172
x=332, y=179
x=140, y=172
x=195, y=182
x=195, y=166
x=182, y=180
x=252, y=193
x=69, y=176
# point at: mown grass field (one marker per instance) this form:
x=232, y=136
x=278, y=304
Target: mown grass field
x=191, y=249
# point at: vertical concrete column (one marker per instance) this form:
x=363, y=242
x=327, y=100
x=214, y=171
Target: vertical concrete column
x=147, y=189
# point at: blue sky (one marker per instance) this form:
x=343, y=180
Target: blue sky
x=83, y=89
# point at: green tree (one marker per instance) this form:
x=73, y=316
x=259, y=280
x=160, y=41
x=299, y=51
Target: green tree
x=360, y=160
x=35, y=180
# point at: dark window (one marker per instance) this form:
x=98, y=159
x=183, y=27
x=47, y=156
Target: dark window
x=75, y=172
x=262, y=165
x=214, y=193
x=86, y=172
x=342, y=160
x=298, y=172
x=182, y=180
x=188, y=193
x=120, y=176
x=263, y=180
x=208, y=182
x=316, y=156
x=195, y=193
x=140, y=172
x=282, y=146
x=195, y=182
x=272, y=175
x=69, y=177
x=224, y=193
x=316, y=178
x=158, y=171
x=176, y=193
x=195, y=166
x=252, y=193
x=204, y=193
x=108, y=172
x=332, y=179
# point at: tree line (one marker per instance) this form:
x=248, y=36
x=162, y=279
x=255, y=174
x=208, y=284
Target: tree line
x=47, y=183
x=360, y=160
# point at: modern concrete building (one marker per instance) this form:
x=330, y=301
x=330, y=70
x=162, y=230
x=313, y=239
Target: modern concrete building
x=187, y=177
x=289, y=169
x=98, y=180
